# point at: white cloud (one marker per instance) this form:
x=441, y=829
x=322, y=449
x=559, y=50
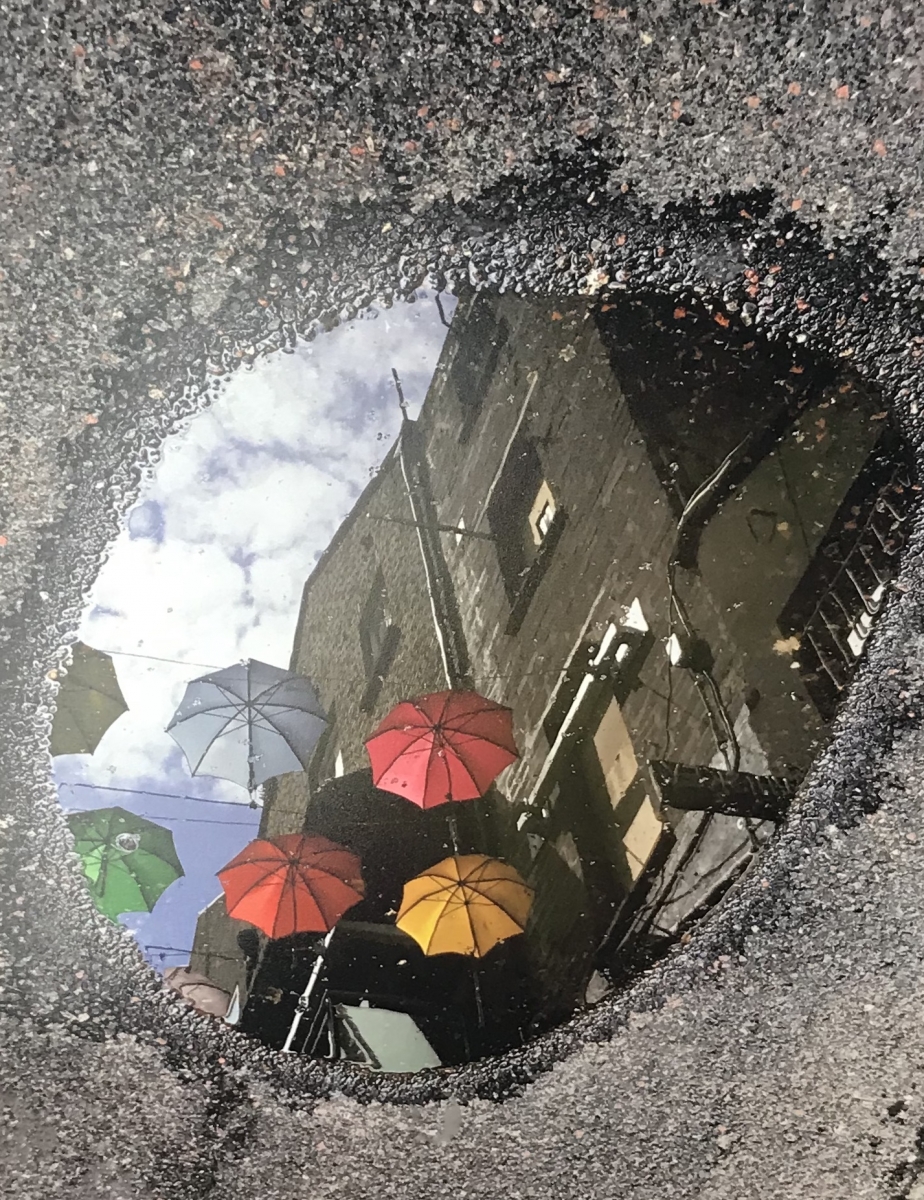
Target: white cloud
x=249, y=493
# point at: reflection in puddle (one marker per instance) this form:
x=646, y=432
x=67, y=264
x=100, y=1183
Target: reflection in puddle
x=563, y=660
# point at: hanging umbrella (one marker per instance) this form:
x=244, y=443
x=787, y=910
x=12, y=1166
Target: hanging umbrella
x=292, y=884
x=442, y=747
x=248, y=723
x=89, y=701
x=465, y=905
x=128, y=861
x=204, y=995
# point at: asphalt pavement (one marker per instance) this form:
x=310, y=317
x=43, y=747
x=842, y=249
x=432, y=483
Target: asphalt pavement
x=187, y=187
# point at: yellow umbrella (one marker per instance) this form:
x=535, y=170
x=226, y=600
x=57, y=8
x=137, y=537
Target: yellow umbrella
x=465, y=905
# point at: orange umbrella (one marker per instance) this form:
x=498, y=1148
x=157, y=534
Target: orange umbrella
x=442, y=747
x=292, y=884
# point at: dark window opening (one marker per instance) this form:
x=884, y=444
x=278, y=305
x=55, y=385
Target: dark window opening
x=526, y=522
x=322, y=765
x=832, y=610
x=373, y=627
x=509, y=511
x=378, y=638
x=475, y=361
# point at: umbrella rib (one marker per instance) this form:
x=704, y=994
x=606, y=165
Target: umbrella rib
x=410, y=748
x=507, y=913
x=211, y=743
x=499, y=903
x=429, y=897
x=475, y=738
x=266, y=696
x=473, y=885
x=466, y=768
x=257, y=882
x=449, y=886
x=447, y=700
x=302, y=867
x=280, y=733
x=291, y=875
x=229, y=701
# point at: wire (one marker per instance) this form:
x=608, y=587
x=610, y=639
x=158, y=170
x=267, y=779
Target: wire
x=730, y=748
x=198, y=820
x=100, y=787
x=159, y=658
x=162, y=951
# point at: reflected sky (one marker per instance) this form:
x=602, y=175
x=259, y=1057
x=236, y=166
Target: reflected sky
x=209, y=569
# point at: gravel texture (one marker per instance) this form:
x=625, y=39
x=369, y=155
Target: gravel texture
x=187, y=187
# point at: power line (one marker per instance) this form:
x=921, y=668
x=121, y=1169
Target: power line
x=160, y=658
x=199, y=820
x=162, y=951
x=100, y=787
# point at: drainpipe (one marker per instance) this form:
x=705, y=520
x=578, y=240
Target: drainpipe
x=302, y=1006
x=447, y=620
x=447, y=623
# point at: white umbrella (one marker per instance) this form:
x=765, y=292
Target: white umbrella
x=248, y=723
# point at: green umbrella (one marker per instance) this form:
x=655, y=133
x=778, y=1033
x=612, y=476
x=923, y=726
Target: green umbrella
x=128, y=861
x=89, y=701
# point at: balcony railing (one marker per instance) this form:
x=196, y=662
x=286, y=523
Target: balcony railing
x=834, y=606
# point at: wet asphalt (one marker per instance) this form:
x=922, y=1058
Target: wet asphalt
x=186, y=187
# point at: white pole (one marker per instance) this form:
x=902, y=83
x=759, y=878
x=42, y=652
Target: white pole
x=303, y=999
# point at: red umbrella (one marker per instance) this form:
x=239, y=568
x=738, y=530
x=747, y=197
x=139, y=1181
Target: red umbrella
x=292, y=884
x=442, y=747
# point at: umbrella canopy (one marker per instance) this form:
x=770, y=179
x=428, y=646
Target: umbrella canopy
x=128, y=861
x=89, y=701
x=248, y=723
x=465, y=905
x=442, y=747
x=292, y=884
x=198, y=990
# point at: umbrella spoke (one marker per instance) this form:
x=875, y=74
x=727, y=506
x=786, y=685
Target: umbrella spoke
x=465, y=905
x=248, y=700
x=316, y=881
x=129, y=861
x=468, y=740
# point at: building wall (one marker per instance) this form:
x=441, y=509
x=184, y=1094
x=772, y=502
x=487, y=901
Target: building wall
x=328, y=645
x=575, y=404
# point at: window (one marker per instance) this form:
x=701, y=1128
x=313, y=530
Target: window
x=374, y=625
x=635, y=617
x=322, y=764
x=526, y=522
x=542, y=515
x=613, y=745
x=482, y=336
x=378, y=639
x=638, y=828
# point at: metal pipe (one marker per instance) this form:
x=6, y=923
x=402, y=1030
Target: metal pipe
x=428, y=575
x=459, y=530
x=302, y=1004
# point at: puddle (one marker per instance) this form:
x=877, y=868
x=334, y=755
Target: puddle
x=635, y=553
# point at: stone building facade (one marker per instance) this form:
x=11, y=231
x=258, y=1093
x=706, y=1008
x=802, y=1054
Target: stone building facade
x=623, y=521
